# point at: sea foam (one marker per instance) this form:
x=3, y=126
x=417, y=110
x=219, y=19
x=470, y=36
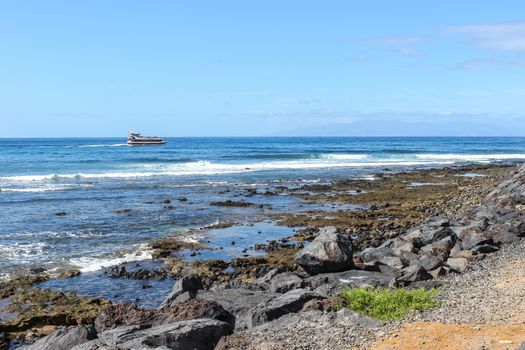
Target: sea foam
x=91, y=264
x=209, y=168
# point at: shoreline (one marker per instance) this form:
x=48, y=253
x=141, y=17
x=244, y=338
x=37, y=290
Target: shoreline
x=410, y=198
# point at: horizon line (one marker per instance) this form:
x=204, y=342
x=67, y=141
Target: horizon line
x=269, y=136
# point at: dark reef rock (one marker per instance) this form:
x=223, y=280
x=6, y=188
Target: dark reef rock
x=230, y=203
x=127, y=314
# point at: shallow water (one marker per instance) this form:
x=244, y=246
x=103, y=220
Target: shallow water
x=113, y=195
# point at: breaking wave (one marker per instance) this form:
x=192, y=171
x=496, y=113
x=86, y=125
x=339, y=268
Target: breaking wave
x=91, y=264
x=327, y=161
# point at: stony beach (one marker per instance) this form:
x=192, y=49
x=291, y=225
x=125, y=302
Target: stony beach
x=458, y=229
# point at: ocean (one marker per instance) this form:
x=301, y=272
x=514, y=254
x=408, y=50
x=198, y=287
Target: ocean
x=113, y=199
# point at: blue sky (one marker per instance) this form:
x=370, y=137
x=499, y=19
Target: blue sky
x=234, y=68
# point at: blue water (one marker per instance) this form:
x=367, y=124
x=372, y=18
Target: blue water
x=90, y=179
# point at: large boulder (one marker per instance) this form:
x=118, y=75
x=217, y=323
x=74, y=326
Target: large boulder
x=64, y=338
x=284, y=282
x=238, y=300
x=312, y=329
x=330, y=251
x=414, y=273
x=292, y=301
x=129, y=314
x=90, y=345
x=431, y=230
x=200, y=334
x=474, y=235
x=457, y=264
x=185, y=286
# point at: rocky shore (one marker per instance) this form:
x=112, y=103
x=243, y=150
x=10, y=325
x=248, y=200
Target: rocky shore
x=421, y=229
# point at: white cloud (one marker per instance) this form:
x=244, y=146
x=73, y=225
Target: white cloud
x=501, y=36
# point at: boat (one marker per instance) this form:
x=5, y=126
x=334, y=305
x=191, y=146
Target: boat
x=136, y=139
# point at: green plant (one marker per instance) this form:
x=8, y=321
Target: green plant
x=388, y=304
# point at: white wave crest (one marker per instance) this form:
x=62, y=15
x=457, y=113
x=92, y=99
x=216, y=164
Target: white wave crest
x=45, y=188
x=22, y=251
x=472, y=157
x=344, y=156
x=208, y=168
x=90, y=264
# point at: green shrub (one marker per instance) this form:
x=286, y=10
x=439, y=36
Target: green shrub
x=389, y=304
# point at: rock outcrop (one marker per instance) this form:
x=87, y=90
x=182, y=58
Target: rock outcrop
x=199, y=334
x=129, y=314
x=64, y=339
x=185, y=288
x=330, y=251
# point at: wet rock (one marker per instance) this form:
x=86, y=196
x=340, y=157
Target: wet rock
x=328, y=252
x=117, y=271
x=284, y=282
x=64, y=338
x=127, y=314
x=123, y=211
x=200, y=334
x=292, y=301
x=251, y=192
x=120, y=271
x=36, y=308
x=230, y=203
x=4, y=342
x=190, y=284
x=37, y=270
